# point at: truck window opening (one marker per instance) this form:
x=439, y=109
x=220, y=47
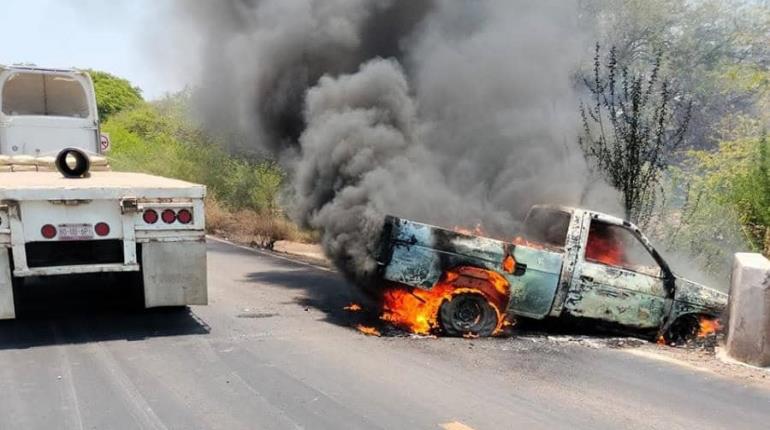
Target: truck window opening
x=613, y=245
x=547, y=227
x=44, y=95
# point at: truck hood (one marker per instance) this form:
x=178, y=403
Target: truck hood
x=700, y=297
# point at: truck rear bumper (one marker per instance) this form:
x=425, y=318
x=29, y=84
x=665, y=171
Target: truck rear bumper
x=75, y=270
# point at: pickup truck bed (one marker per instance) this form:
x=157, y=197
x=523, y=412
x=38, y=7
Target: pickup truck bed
x=418, y=254
x=101, y=185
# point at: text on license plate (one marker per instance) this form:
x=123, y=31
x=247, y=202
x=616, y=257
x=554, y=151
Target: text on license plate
x=75, y=231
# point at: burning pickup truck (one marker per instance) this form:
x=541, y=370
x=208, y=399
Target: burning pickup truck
x=571, y=263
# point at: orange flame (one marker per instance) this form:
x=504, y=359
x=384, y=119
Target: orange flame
x=604, y=247
x=417, y=310
x=509, y=264
x=708, y=326
x=520, y=241
x=353, y=307
x=476, y=231
x=369, y=331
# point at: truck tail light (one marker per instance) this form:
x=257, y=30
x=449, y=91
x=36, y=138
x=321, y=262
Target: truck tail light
x=48, y=231
x=168, y=216
x=150, y=216
x=184, y=216
x=102, y=229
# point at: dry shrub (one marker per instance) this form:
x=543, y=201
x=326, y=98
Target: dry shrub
x=260, y=229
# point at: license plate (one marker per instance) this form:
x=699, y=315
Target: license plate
x=76, y=231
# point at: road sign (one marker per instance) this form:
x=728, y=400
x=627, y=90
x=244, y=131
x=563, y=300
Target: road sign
x=105, y=142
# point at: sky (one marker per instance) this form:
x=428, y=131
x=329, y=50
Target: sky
x=107, y=35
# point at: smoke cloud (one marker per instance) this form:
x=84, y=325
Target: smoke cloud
x=453, y=113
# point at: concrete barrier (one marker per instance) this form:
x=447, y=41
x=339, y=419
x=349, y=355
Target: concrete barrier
x=748, y=335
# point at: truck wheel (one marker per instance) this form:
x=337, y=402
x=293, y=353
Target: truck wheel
x=468, y=314
x=684, y=329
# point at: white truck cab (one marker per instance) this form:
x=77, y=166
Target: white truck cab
x=46, y=110
x=148, y=228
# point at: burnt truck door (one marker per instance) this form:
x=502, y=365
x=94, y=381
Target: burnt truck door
x=616, y=278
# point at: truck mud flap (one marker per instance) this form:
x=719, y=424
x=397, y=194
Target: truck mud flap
x=7, y=310
x=174, y=273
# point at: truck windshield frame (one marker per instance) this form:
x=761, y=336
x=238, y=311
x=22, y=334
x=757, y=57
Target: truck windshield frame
x=44, y=94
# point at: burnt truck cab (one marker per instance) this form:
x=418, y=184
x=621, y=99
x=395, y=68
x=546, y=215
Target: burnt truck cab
x=569, y=262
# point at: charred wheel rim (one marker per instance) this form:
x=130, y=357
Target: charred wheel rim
x=468, y=314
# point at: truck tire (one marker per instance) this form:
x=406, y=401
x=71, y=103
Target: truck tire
x=468, y=314
x=684, y=329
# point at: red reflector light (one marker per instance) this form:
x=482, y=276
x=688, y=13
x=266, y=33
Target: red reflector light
x=168, y=216
x=102, y=229
x=48, y=231
x=150, y=216
x=184, y=216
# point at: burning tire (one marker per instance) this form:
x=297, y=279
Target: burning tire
x=698, y=328
x=468, y=314
x=684, y=329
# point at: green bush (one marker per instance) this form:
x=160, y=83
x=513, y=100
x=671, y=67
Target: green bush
x=158, y=138
x=725, y=201
x=114, y=94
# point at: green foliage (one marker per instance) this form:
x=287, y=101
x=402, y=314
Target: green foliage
x=114, y=94
x=695, y=228
x=727, y=201
x=749, y=192
x=158, y=138
x=717, y=50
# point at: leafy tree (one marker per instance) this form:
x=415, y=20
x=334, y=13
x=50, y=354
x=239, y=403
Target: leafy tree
x=633, y=123
x=706, y=42
x=114, y=94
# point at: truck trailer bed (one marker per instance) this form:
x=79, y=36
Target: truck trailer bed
x=99, y=185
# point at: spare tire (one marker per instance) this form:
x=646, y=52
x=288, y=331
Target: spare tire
x=82, y=164
x=468, y=314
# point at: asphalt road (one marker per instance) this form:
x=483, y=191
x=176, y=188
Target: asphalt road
x=274, y=350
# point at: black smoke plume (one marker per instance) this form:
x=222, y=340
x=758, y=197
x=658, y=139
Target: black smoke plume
x=453, y=113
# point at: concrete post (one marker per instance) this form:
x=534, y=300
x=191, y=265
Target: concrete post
x=748, y=335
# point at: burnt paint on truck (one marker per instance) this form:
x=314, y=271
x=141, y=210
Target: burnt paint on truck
x=420, y=254
x=533, y=292
x=624, y=297
x=547, y=282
